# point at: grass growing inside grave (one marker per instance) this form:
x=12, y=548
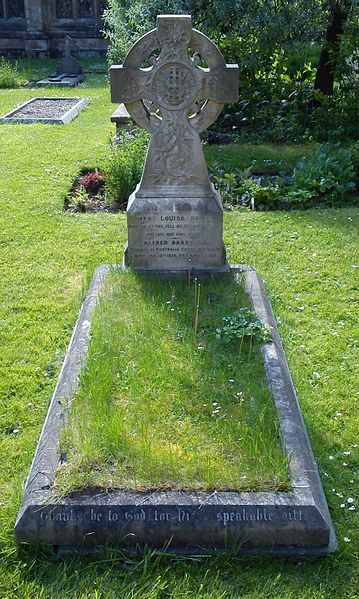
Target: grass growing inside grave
x=165, y=406
x=310, y=264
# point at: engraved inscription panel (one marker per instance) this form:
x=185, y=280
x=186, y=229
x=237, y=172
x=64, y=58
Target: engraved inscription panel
x=220, y=525
x=188, y=239
x=222, y=516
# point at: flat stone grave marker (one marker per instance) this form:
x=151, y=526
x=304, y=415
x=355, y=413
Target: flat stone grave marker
x=53, y=111
x=68, y=72
x=175, y=216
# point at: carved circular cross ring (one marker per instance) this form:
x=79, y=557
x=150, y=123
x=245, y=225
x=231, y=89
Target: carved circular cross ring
x=174, y=86
x=174, y=81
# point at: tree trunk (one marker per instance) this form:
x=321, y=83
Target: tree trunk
x=324, y=80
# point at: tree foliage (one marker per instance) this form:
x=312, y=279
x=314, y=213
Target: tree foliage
x=255, y=27
x=298, y=59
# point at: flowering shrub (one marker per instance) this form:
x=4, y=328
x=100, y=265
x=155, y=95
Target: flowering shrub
x=88, y=193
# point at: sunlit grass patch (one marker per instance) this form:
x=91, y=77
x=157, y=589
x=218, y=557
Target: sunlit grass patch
x=10, y=77
x=164, y=404
x=308, y=259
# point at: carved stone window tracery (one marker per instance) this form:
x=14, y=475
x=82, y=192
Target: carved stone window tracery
x=79, y=9
x=86, y=8
x=64, y=9
x=10, y=9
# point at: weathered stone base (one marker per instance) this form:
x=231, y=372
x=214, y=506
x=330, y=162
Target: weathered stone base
x=60, y=81
x=168, y=274
x=295, y=523
x=175, y=233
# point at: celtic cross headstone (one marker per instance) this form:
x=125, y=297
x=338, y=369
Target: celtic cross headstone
x=68, y=64
x=174, y=82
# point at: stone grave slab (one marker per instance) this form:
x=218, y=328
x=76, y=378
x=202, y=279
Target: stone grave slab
x=68, y=72
x=294, y=523
x=60, y=80
x=175, y=216
x=52, y=111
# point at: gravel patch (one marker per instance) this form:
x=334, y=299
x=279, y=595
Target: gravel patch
x=46, y=109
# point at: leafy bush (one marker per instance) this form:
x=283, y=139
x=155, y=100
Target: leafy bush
x=239, y=189
x=124, y=168
x=240, y=325
x=278, y=104
x=9, y=74
x=93, y=182
x=243, y=323
x=326, y=177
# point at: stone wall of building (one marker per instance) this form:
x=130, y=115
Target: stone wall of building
x=38, y=27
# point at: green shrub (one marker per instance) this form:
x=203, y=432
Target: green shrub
x=243, y=323
x=239, y=189
x=322, y=179
x=124, y=168
x=9, y=74
x=325, y=178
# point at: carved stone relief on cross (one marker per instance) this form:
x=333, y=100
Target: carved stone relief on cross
x=169, y=93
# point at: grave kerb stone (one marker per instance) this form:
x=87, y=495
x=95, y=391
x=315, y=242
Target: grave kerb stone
x=295, y=523
x=64, y=119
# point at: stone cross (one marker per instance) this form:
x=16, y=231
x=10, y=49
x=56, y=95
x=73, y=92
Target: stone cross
x=67, y=46
x=68, y=65
x=174, y=82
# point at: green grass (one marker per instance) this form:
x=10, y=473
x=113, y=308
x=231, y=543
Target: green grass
x=262, y=158
x=308, y=260
x=165, y=405
x=9, y=74
x=31, y=70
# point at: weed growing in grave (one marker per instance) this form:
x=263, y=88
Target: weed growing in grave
x=240, y=325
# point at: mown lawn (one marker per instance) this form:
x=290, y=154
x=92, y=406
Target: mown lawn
x=309, y=262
